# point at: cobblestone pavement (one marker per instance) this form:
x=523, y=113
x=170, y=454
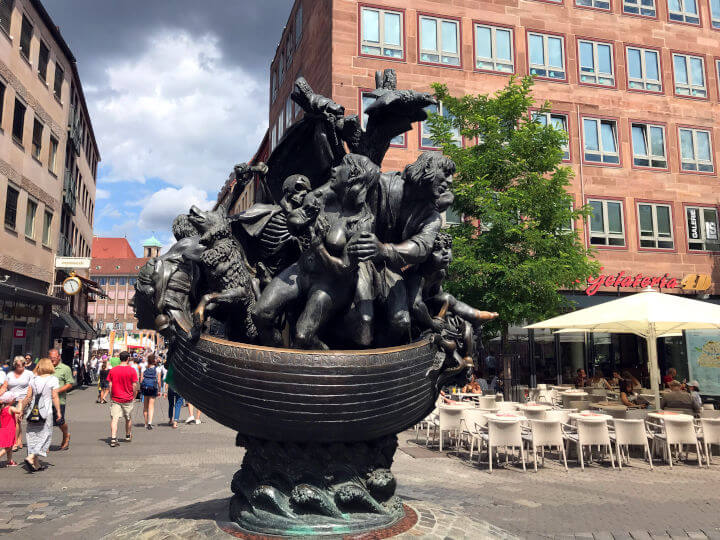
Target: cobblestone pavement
x=175, y=484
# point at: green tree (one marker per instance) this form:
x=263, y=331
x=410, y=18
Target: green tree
x=510, y=178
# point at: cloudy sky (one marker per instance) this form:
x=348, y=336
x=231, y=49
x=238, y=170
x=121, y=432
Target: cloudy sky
x=177, y=92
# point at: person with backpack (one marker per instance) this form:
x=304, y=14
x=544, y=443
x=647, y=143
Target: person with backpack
x=149, y=387
x=39, y=405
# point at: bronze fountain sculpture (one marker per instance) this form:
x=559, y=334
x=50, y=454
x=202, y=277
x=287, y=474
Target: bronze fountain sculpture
x=306, y=322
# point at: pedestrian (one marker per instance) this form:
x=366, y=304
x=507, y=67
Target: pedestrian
x=103, y=384
x=9, y=412
x=29, y=364
x=40, y=404
x=3, y=375
x=694, y=389
x=194, y=414
x=67, y=381
x=18, y=387
x=124, y=387
x=149, y=386
x=175, y=405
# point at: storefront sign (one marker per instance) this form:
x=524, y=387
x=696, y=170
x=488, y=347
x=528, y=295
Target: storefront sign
x=19, y=333
x=693, y=223
x=703, y=354
x=691, y=282
x=72, y=262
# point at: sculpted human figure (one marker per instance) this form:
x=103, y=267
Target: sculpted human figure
x=407, y=207
x=324, y=278
x=427, y=295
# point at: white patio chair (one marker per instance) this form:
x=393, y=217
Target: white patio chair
x=677, y=430
x=505, y=433
x=589, y=432
x=427, y=423
x=506, y=406
x=546, y=433
x=534, y=414
x=630, y=433
x=487, y=402
x=449, y=422
x=560, y=415
x=709, y=434
x=580, y=404
x=474, y=422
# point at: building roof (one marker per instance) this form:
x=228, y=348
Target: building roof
x=116, y=267
x=152, y=242
x=112, y=248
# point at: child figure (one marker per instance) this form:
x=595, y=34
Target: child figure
x=7, y=429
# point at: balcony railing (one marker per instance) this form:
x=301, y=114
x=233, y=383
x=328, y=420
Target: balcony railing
x=69, y=198
x=64, y=246
x=75, y=134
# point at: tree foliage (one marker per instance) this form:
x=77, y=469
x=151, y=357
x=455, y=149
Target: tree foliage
x=510, y=178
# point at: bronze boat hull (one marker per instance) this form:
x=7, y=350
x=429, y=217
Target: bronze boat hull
x=303, y=396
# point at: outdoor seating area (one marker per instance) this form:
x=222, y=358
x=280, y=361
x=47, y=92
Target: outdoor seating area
x=490, y=432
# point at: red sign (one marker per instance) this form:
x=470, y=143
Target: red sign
x=638, y=281
x=19, y=333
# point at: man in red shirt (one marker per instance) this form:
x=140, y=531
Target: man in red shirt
x=124, y=387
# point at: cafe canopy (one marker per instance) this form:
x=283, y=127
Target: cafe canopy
x=648, y=314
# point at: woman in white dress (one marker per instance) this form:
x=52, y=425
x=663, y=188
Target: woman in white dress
x=17, y=385
x=39, y=434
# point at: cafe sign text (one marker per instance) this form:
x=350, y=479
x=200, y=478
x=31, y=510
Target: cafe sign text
x=691, y=282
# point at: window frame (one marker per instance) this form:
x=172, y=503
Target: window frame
x=713, y=18
x=642, y=48
x=360, y=109
x=461, y=142
x=700, y=206
x=623, y=216
x=59, y=68
x=609, y=9
x=298, y=24
x=403, y=29
x=494, y=26
x=47, y=63
x=706, y=97
x=656, y=238
x=613, y=61
x=655, y=17
x=3, y=91
x=712, y=150
x=618, y=140
x=46, y=213
x=29, y=20
x=31, y=201
x=17, y=190
x=545, y=33
x=19, y=141
x=716, y=62
x=459, y=35
x=37, y=155
x=567, y=116
x=648, y=123
x=699, y=14
x=4, y=30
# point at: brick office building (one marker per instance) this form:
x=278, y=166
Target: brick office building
x=633, y=82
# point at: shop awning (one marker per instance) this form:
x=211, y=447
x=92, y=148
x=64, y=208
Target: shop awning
x=66, y=325
x=26, y=295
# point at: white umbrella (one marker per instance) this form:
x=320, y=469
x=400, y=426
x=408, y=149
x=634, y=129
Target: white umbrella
x=649, y=314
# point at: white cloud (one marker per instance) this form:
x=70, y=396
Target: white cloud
x=109, y=211
x=101, y=194
x=178, y=112
x=161, y=208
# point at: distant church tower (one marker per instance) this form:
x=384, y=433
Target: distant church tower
x=151, y=247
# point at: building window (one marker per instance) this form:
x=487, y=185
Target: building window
x=366, y=100
x=596, y=63
x=702, y=228
x=288, y=112
x=655, y=226
x=558, y=121
x=26, y=31
x=646, y=8
x=644, y=69
x=600, y=141
x=47, y=226
x=382, y=32
x=597, y=4
x=19, y=121
x=683, y=11
x=30, y=218
x=426, y=140
x=37, y=138
x=547, y=56
x=298, y=25
x=689, y=75
x=695, y=150
x=273, y=138
x=648, y=145
x=273, y=84
x=439, y=39
x=2, y=100
x=52, y=157
x=494, y=48
x=715, y=13
x=58, y=82
x=6, y=7
x=43, y=57
x=112, y=281
x=607, y=227
x=11, y=201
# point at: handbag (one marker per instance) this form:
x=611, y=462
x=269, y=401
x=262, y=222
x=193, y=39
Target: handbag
x=35, y=417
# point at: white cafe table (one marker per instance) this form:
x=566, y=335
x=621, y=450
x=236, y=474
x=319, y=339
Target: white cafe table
x=661, y=415
x=505, y=417
x=534, y=407
x=590, y=416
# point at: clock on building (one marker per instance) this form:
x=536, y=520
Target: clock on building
x=72, y=285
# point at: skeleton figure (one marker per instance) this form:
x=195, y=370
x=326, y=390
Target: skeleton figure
x=267, y=225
